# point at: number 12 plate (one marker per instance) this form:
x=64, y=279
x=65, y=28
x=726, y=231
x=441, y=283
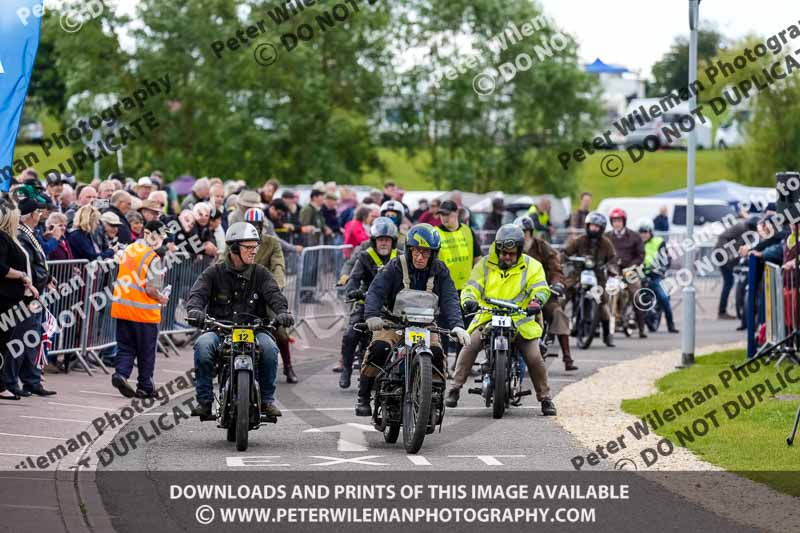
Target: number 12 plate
x=243, y=335
x=415, y=335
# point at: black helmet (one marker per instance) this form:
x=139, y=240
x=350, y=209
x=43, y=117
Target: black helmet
x=525, y=223
x=383, y=227
x=598, y=219
x=752, y=222
x=509, y=237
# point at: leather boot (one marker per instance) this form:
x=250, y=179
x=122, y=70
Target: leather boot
x=569, y=364
x=363, y=407
x=291, y=377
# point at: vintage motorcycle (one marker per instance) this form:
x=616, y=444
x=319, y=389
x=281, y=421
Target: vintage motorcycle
x=405, y=393
x=503, y=371
x=586, y=301
x=239, y=399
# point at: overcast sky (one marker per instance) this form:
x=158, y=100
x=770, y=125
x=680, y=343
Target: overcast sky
x=636, y=33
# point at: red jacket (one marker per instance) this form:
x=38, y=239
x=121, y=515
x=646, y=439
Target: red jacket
x=355, y=234
x=429, y=218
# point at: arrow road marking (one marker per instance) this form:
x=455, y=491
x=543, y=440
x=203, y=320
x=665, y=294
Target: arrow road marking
x=351, y=436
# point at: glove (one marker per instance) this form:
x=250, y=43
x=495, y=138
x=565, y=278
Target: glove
x=470, y=306
x=343, y=280
x=534, y=308
x=375, y=323
x=557, y=289
x=285, y=320
x=461, y=335
x=196, y=317
x=355, y=294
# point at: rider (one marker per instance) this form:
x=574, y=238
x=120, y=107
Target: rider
x=553, y=313
x=391, y=209
x=420, y=270
x=270, y=255
x=383, y=242
x=656, y=261
x=226, y=290
x=598, y=247
x=506, y=274
x=630, y=251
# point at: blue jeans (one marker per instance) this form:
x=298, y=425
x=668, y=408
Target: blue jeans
x=727, y=285
x=663, y=300
x=21, y=364
x=205, y=349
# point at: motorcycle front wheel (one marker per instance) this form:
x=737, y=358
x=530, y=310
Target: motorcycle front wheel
x=417, y=403
x=242, y=409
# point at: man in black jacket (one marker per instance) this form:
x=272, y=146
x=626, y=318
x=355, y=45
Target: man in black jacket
x=383, y=248
x=228, y=290
x=418, y=270
x=731, y=240
x=23, y=365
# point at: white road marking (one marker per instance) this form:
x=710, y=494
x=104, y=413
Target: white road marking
x=181, y=372
x=351, y=436
x=490, y=460
x=55, y=419
x=33, y=436
x=100, y=393
x=418, y=460
x=15, y=454
x=86, y=406
x=29, y=507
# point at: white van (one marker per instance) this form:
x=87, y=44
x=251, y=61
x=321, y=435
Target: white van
x=705, y=211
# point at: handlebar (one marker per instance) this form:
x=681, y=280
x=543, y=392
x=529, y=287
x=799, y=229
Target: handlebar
x=228, y=326
x=362, y=326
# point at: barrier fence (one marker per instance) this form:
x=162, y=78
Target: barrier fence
x=311, y=291
x=773, y=308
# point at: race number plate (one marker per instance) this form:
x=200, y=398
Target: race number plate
x=500, y=321
x=415, y=335
x=243, y=335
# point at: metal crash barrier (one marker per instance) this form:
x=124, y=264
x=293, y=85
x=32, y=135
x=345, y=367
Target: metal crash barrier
x=315, y=300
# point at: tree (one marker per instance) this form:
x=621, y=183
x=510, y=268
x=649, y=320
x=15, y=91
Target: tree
x=304, y=118
x=510, y=138
x=671, y=72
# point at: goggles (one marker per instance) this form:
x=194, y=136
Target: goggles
x=506, y=245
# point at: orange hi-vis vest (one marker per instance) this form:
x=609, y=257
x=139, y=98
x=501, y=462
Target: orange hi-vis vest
x=130, y=301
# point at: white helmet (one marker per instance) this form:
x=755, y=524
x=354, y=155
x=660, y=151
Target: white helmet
x=240, y=232
x=645, y=224
x=392, y=205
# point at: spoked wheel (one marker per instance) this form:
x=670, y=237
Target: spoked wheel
x=417, y=403
x=500, y=385
x=587, y=322
x=242, y=410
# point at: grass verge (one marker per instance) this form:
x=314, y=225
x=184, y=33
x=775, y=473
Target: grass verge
x=751, y=443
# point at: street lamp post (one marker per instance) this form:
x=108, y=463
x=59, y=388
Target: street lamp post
x=688, y=340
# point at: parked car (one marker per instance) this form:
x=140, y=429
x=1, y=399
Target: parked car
x=655, y=126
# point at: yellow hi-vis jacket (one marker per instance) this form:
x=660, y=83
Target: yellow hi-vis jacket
x=519, y=285
x=130, y=302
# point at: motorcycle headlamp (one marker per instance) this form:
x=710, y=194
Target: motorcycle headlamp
x=589, y=263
